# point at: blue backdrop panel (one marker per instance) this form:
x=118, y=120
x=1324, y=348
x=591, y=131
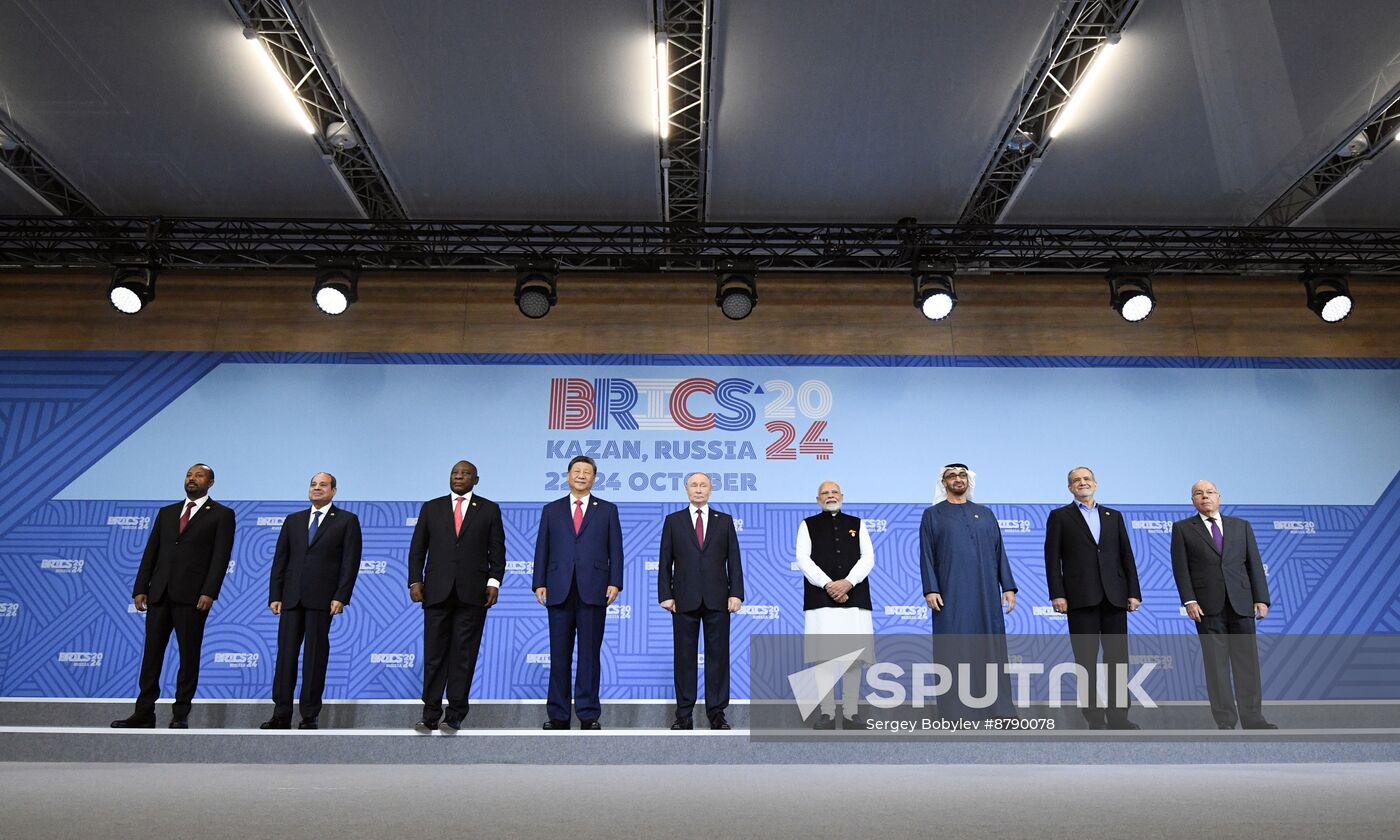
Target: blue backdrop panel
x=91, y=444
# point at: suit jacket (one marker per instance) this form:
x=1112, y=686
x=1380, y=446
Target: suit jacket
x=1082, y=571
x=1209, y=577
x=694, y=575
x=312, y=575
x=593, y=556
x=186, y=566
x=464, y=562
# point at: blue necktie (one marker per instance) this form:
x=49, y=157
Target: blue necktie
x=315, y=521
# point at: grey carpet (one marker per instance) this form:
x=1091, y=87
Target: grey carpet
x=1279, y=802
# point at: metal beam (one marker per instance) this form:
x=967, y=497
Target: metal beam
x=1353, y=153
x=39, y=178
x=685, y=26
x=1066, y=53
x=344, y=147
x=198, y=244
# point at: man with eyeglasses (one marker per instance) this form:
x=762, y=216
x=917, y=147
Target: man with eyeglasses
x=967, y=579
x=1220, y=578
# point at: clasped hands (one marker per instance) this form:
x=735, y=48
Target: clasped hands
x=839, y=590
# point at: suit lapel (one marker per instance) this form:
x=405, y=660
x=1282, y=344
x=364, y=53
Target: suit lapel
x=1078, y=516
x=320, y=529
x=588, y=514
x=1204, y=533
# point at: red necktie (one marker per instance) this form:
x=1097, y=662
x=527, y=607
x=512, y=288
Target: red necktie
x=185, y=517
x=699, y=529
x=457, y=515
x=578, y=515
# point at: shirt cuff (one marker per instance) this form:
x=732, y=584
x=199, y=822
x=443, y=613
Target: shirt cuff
x=1188, y=603
x=493, y=582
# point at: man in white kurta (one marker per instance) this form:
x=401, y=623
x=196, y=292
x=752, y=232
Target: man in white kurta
x=835, y=555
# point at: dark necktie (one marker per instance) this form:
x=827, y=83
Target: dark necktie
x=185, y=517
x=315, y=523
x=699, y=529
x=1215, y=535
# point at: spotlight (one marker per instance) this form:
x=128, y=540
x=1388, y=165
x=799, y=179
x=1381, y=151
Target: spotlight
x=133, y=287
x=536, y=288
x=736, y=289
x=933, y=291
x=1329, y=294
x=335, y=289
x=1130, y=294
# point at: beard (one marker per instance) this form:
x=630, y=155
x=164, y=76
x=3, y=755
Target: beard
x=831, y=507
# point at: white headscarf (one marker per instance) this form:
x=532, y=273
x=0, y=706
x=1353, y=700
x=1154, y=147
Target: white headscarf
x=940, y=493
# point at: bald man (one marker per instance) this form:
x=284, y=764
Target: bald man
x=1220, y=578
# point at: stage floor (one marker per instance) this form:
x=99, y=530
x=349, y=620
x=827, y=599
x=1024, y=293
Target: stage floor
x=636, y=733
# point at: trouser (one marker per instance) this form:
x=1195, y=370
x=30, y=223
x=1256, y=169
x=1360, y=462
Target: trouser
x=685, y=632
x=570, y=620
x=1089, y=628
x=188, y=625
x=1229, y=649
x=309, y=632
x=451, y=641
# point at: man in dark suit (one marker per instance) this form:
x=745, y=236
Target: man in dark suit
x=1093, y=581
x=461, y=539
x=1220, y=578
x=700, y=580
x=578, y=574
x=313, y=573
x=179, y=579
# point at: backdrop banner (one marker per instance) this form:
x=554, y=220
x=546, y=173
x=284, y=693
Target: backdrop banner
x=92, y=444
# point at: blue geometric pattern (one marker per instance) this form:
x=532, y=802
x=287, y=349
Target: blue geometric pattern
x=66, y=567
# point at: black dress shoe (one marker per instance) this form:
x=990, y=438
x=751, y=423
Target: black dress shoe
x=684, y=723
x=1097, y=724
x=825, y=722
x=275, y=723
x=718, y=722
x=179, y=723
x=592, y=725
x=450, y=727
x=308, y=723
x=1122, y=724
x=422, y=727
x=1261, y=724
x=135, y=722
x=556, y=724
x=1225, y=726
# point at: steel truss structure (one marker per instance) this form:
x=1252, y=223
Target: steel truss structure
x=30, y=242
x=1086, y=25
x=296, y=56
x=31, y=171
x=1318, y=183
x=685, y=24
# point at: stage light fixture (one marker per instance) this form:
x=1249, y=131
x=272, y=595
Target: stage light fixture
x=736, y=289
x=1329, y=293
x=133, y=287
x=536, y=288
x=934, y=295
x=1130, y=294
x=335, y=289
x=289, y=98
x=663, y=87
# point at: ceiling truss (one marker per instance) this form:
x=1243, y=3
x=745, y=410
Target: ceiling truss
x=1085, y=25
x=347, y=152
x=686, y=27
x=29, y=242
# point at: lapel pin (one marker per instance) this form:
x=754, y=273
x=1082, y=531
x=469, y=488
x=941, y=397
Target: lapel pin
x=976, y=516
x=595, y=504
x=473, y=504
x=853, y=532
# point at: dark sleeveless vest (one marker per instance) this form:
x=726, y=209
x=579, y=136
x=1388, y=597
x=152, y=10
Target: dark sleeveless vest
x=835, y=550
